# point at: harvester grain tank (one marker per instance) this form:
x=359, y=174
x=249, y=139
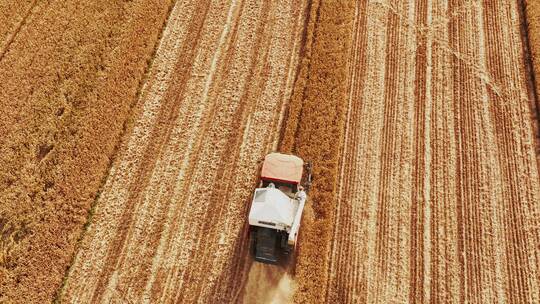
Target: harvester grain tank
x=277, y=206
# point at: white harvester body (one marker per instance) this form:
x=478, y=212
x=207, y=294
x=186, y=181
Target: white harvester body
x=272, y=208
x=277, y=206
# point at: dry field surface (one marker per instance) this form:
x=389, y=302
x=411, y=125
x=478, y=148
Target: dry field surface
x=439, y=190
x=69, y=74
x=416, y=113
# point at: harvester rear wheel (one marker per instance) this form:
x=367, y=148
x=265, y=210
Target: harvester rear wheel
x=252, y=240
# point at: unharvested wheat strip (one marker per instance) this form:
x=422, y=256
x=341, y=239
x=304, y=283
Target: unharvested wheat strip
x=83, y=62
x=294, y=61
x=530, y=218
x=321, y=120
x=531, y=15
x=273, y=87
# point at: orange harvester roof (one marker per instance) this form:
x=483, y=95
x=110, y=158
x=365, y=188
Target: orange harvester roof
x=282, y=167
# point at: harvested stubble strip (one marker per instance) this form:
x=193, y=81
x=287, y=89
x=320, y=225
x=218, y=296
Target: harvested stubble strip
x=533, y=27
x=314, y=130
x=67, y=84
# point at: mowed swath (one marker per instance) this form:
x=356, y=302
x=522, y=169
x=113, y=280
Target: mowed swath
x=169, y=224
x=439, y=197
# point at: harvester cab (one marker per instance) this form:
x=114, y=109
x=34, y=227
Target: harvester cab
x=277, y=206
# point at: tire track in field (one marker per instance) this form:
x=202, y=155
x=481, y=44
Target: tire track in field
x=439, y=194
x=170, y=222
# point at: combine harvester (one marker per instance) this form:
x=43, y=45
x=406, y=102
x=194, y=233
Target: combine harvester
x=277, y=206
